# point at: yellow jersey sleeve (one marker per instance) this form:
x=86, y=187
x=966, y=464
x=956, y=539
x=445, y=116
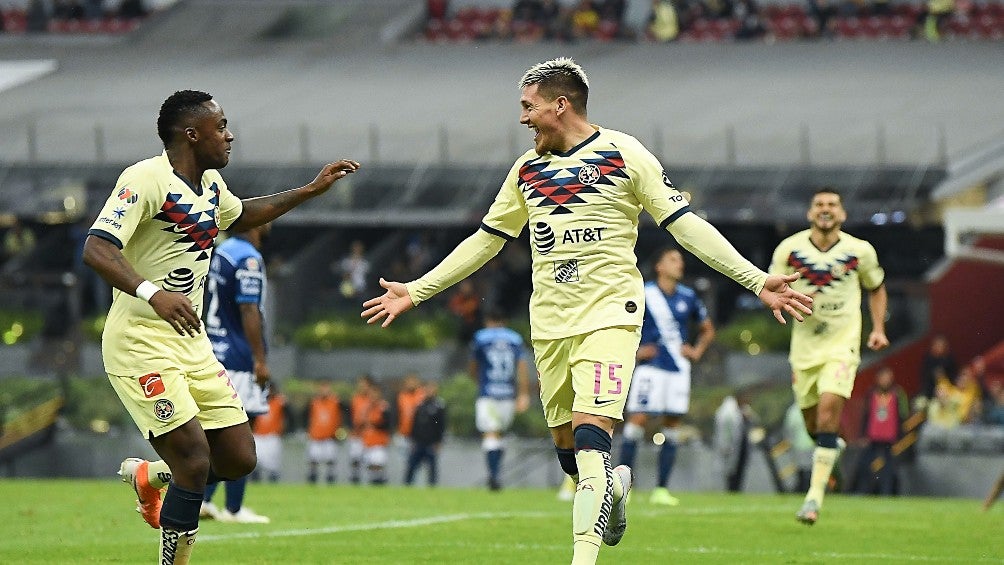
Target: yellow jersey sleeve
x=231, y=207
x=871, y=273
x=133, y=201
x=652, y=186
x=508, y=213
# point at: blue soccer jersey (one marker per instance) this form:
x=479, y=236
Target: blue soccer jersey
x=236, y=276
x=666, y=324
x=497, y=352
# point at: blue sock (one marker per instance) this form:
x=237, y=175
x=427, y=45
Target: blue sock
x=210, y=490
x=667, y=456
x=180, y=511
x=826, y=439
x=494, y=462
x=566, y=458
x=235, y=494
x=629, y=449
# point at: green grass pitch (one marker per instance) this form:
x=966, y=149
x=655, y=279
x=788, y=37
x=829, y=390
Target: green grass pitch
x=78, y=521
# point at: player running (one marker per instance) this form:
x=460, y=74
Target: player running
x=152, y=242
x=825, y=352
x=581, y=189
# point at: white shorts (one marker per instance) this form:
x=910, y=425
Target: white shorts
x=375, y=456
x=321, y=451
x=355, y=448
x=255, y=398
x=269, y=449
x=493, y=415
x=655, y=391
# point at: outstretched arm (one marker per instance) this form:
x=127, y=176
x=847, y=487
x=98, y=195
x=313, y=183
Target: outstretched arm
x=263, y=209
x=466, y=258
x=710, y=246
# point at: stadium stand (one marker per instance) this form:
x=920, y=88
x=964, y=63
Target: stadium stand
x=700, y=22
x=748, y=128
x=76, y=16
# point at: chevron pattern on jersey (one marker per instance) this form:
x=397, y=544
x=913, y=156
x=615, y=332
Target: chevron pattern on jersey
x=821, y=276
x=197, y=229
x=562, y=186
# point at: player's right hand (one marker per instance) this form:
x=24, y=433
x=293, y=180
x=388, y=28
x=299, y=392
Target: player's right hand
x=390, y=305
x=332, y=172
x=176, y=309
x=778, y=295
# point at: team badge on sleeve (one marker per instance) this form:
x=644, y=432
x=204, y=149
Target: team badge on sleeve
x=128, y=195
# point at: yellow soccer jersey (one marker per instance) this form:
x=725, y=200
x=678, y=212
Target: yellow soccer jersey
x=582, y=207
x=165, y=229
x=834, y=279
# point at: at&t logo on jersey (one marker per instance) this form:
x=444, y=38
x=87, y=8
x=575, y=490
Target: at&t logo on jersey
x=180, y=280
x=583, y=235
x=543, y=238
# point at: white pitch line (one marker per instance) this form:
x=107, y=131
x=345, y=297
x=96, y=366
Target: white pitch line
x=388, y=525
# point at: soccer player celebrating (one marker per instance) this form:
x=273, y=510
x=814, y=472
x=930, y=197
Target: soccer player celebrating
x=498, y=364
x=582, y=188
x=235, y=324
x=824, y=351
x=152, y=242
x=661, y=382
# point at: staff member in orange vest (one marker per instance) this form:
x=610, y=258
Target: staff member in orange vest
x=324, y=417
x=408, y=398
x=376, y=435
x=357, y=410
x=268, y=430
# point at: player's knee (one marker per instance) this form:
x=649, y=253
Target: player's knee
x=236, y=465
x=590, y=436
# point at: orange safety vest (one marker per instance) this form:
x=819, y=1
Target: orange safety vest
x=360, y=402
x=273, y=422
x=406, y=404
x=325, y=417
x=374, y=432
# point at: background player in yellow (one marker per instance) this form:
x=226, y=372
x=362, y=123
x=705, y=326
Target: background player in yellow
x=581, y=188
x=152, y=242
x=825, y=349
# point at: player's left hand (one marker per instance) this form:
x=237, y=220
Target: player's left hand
x=390, y=305
x=332, y=172
x=262, y=374
x=522, y=403
x=690, y=352
x=780, y=297
x=877, y=340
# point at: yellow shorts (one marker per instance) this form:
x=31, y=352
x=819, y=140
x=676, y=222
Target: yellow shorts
x=163, y=401
x=835, y=377
x=588, y=373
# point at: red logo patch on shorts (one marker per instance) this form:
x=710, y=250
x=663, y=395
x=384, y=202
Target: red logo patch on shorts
x=152, y=385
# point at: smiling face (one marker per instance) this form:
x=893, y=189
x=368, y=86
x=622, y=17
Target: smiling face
x=541, y=116
x=826, y=213
x=210, y=136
